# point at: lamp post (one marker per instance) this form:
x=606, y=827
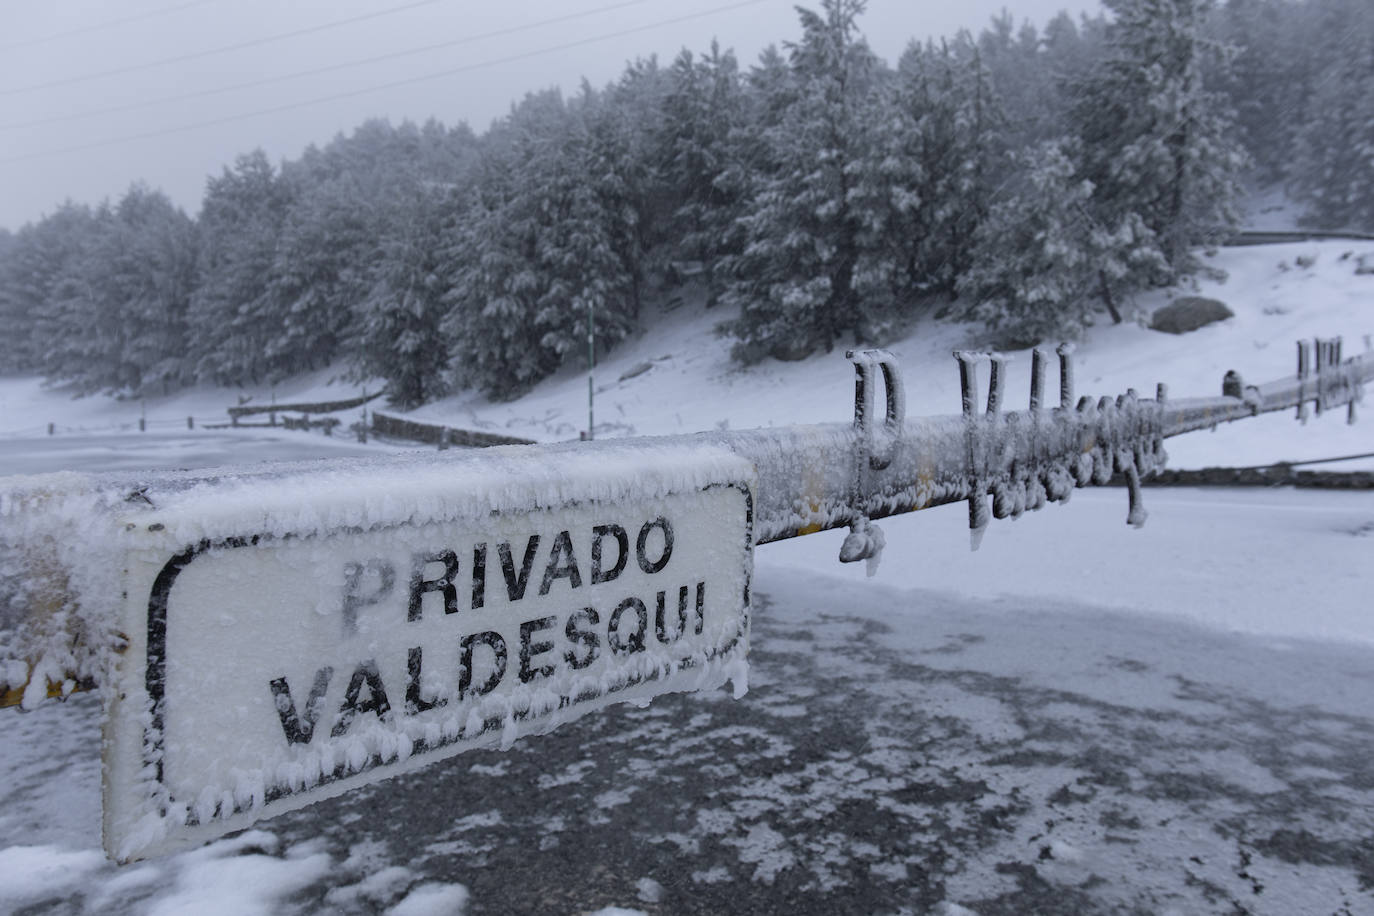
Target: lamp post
x=591, y=369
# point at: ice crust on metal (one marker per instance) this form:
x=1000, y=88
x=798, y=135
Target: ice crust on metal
x=59, y=534
x=57, y=531
x=293, y=635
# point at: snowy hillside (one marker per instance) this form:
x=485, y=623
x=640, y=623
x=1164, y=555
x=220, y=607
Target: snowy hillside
x=689, y=383
x=677, y=378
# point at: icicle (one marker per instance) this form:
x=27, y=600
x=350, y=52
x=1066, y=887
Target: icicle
x=873, y=452
x=978, y=514
x=975, y=536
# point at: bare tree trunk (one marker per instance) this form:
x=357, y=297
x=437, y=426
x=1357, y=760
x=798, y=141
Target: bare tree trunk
x=1108, y=299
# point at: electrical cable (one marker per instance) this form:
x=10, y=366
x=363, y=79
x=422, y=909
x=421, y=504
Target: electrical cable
x=182, y=58
x=316, y=71
x=101, y=26
x=292, y=106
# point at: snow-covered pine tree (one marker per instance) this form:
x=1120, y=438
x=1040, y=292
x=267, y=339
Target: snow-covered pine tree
x=42, y=254
x=623, y=168
x=1072, y=49
x=1268, y=77
x=492, y=300
x=1156, y=142
x=15, y=342
x=1024, y=81
x=396, y=329
x=888, y=178
x=545, y=243
x=578, y=256
x=232, y=319
x=794, y=281
x=1333, y=165
x=81, y=323
x=323, y=262
x=140, y=270
x=704, y=111
x=974, y=159
x=347, y=250
x=1041, y=258
x=329, y=247
x=7, y=246
x=951, y=132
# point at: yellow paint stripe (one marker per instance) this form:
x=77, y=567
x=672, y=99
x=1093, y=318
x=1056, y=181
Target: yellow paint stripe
x=13, y=696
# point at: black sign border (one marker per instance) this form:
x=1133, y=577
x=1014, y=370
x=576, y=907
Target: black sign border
x=155, y=672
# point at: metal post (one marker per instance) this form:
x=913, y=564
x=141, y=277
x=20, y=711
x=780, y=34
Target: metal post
x=1319, y=351
x=1304, y=370
x=591, y=370
x=1037, y=394
x=1065, y=351
x=996, y=381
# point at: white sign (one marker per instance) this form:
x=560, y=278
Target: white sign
x=274, y=665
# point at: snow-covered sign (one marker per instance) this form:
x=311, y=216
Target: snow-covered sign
x=292, y=638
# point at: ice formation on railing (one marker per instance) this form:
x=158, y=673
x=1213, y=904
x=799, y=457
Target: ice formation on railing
x=55, y=539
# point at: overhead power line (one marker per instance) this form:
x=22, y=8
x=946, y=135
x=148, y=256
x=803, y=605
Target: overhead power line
x=101, y=26
x=212, y=52
x=316, y=71
x=409, y=81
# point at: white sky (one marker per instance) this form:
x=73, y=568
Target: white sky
x=56, y=59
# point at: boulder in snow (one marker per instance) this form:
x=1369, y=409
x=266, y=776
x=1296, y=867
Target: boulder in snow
x=1188, y=314
x=635, y=370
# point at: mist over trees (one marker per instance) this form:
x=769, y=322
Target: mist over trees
x=1028, y=178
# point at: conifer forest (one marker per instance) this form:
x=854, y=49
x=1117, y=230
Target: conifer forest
x=1030, y=178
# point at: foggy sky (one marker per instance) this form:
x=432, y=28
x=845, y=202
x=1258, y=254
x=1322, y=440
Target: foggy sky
x=56, y=59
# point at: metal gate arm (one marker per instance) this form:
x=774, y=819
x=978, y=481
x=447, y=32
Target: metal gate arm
x=810, y=478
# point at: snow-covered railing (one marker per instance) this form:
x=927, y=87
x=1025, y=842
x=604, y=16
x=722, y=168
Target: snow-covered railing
x=270, y=638
x=818, y=477
x=247, y=410
x=55, y=637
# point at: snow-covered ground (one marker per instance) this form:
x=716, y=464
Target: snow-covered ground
x=1079, y=718
x=1008, y=746
x=1280, y=293
x=685, y=382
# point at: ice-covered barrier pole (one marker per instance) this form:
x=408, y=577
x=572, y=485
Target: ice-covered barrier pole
x=1000, y=462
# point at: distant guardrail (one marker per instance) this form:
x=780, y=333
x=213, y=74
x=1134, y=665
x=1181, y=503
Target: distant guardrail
x=1279, y=474
x=442, y=436
x=314, y=407
x=1246, y=239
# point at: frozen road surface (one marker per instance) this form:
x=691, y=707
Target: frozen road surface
x=902, y=749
